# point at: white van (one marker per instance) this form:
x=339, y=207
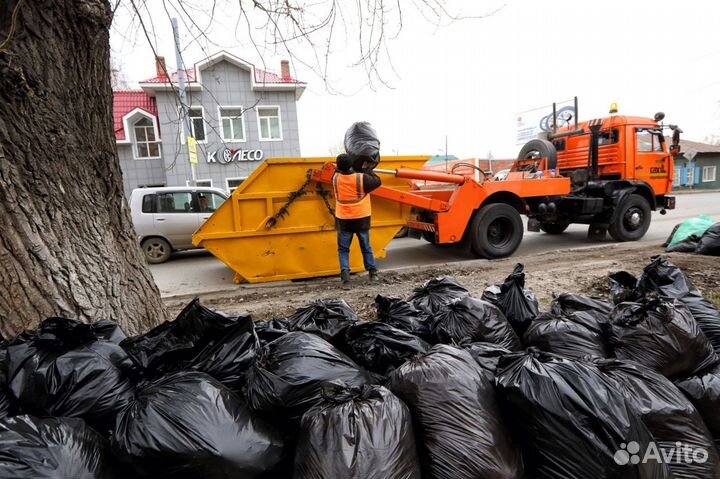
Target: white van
x=166, y=218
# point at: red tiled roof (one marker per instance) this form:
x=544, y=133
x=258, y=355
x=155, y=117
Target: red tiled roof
x=124, y=102
x=261, y=76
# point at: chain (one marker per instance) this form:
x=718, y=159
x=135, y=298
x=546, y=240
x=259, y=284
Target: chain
x=284, y=211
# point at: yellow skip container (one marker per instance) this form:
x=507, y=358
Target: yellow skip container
x=302, y=243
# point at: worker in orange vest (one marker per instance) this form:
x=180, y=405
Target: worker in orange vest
x=352, y=213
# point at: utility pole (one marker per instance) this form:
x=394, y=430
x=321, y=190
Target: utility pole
x=184, y=113
x=446, y=158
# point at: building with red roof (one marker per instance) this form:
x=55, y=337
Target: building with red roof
x=238, y=115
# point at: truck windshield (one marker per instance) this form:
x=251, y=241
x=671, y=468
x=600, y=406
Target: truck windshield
x=649, y=141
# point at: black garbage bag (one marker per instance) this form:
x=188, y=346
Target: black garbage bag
x=486, y=355
x=288, y=376
x=668, y=415
x=590, y=311
x=668, y=281
x=703, y=390
x=688, y=245
x=381, y=348
x=571, y=420
x=52, y=448
x=562, y=336
x=62, y=369
x=403, y=315
x=458, y=428
x=436, y=293
x=467, y=318
x=189, y=425
x=6, y=402
x=623, y=287
x=519, y=305
x=709, y=244
x=199, y=339
x=328, y=318
x=362, y=143
x=271, y=329
x=661, y=335
x=357, y=433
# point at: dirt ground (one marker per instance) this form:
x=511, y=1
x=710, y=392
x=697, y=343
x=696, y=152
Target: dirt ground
x=579, y=271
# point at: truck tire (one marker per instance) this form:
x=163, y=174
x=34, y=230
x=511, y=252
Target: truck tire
x=156, y=250
x=554, y=228
x=543, y=149
x=632, y=220
x=496, y=231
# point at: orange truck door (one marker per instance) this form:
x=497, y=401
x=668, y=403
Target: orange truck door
x=652, y=163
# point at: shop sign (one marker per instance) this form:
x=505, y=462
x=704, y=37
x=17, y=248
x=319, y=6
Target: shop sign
x=231, y=155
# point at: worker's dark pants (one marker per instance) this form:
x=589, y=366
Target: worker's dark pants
x=344, y=242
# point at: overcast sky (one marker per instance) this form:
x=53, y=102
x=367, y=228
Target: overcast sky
x=469, y=79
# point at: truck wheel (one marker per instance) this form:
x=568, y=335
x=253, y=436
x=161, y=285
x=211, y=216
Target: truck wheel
x=496, y=231
x=554, y=228
x=156, y=250
x=632, y=221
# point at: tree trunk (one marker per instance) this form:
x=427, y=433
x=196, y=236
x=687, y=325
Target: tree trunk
x=67, y=245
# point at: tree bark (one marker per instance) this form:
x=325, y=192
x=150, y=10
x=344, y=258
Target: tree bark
x=67, y=244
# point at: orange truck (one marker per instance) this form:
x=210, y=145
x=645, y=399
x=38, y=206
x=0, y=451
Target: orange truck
x=608, y=173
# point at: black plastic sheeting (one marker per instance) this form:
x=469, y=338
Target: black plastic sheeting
x=668, y=415
x=289, y=374
x=357, y=433
x=64, y=369
x=328, y=318
x=403, y=315
x=467, y=318
x=570, y=419
x=661, y=335
x=271, y=329
x=710, y=242
x=458, y=427
x=519, y=305
x=486, y=355
x=189, y=425
x=361, y=140
x=668, y=281
x=199, y=339
x=380, y=347
x=703, y=390
x=51, y=448
x=432, y=296
x=562, y=336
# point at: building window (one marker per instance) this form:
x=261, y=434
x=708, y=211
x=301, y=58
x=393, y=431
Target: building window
x=677, y=177
x=233, y=183
x=269, y=123
x=708, y=173
x=690, y=176
x=197, y=124
x=207, y=183
x=146, y=145
x=233, y=126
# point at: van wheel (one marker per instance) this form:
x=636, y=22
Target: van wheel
x=554, y=228
x=156, y=250
x=496, y=231
x=632, y=221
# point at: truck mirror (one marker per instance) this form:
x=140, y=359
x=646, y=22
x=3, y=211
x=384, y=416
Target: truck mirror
x=659, y=116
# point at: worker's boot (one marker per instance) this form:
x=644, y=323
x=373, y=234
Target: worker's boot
x=373, y=276
x=345, y=278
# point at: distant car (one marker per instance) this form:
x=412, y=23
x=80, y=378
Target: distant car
x=500, y=175
x=166, y=218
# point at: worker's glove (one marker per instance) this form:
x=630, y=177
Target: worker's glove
x=370, y=164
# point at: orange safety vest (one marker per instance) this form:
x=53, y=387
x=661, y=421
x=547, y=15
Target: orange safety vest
x=351, y=202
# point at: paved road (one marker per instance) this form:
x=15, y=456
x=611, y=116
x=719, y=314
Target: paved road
x=199, y=272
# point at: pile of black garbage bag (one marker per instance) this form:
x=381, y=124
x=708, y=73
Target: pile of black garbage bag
x=441, y=384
